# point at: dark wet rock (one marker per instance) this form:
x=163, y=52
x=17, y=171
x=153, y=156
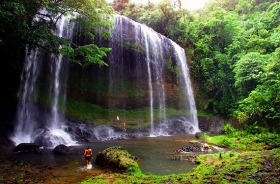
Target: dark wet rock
x=67, y=150
x=44, y=138
x=80, y=131
x=116, y=158
x=211, y=124
x=198, y=134
x=6, y=142
x=175, y=125
x=190, y=151
x=197, y=147
x=84, y=133
x=27, y=147
x=193, y=148
x=47, y=138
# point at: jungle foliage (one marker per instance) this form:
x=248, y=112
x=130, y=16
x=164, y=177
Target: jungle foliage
x=252, y=138
x=233, y=47
x=33, y=23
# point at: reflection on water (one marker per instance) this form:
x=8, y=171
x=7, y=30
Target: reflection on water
x=151, y=152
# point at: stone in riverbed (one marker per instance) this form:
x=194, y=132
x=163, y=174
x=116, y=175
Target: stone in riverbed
x=117, y=159
x=67, y=150
x=27, y=147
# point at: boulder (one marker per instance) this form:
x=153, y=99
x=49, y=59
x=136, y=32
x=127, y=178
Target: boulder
x=67, y=150
x=27, y=147
x=116, y=158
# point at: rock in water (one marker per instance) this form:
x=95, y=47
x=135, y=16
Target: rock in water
x=117, y=159
x=27, y=147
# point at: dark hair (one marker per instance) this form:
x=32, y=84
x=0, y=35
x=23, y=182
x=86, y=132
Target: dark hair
x=88, y=147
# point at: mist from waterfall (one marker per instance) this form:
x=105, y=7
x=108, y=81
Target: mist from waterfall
x=31, y=126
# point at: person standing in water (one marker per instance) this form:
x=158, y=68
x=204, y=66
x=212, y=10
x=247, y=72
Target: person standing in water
x=117, y=120
x=124, y=126
x=88, y=155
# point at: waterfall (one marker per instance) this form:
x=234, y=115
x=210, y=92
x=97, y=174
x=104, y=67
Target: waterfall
x=155, y=63
x=31, y=124
x=184, y=72
x=140, y=55
x=27, y=96
x=138, y=77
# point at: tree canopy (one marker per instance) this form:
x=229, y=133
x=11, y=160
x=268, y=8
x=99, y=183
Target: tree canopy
x=22, y=23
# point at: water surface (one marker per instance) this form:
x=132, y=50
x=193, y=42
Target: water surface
x=152, y=153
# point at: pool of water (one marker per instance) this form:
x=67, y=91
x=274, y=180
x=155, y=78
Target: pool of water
x=152, y=153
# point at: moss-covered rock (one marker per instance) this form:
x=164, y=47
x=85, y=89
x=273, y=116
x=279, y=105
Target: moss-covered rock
x=116, y=158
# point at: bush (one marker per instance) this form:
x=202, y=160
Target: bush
x=229, y=130
x=255, y=129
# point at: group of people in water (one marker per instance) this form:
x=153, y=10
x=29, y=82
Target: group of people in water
x=118, y=123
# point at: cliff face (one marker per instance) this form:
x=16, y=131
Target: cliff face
x=142, y=65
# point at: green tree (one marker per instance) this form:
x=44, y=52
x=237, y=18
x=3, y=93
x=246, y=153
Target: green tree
x=263, y=103
x=120, y=5
x=19, y=27
x=249, y=71
x=162, y=17
x=214, y=37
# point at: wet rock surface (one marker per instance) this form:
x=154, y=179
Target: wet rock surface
x=116, y=158
x=190, y=151
x=27, y=147
x=67, y=150
x=211, y=124
x=175, y=125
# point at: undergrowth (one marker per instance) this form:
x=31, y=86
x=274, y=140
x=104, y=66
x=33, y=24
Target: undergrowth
x=251, y=138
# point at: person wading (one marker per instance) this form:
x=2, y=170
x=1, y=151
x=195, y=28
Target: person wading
x=88, y=155
x=124, y=126
x=117, y=120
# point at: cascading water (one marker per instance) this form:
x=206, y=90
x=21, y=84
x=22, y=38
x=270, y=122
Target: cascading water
x=138, y=77
x=140, y=55
x=155, y=64
x=184, y=72
x=27, y=95
x=31, y=126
